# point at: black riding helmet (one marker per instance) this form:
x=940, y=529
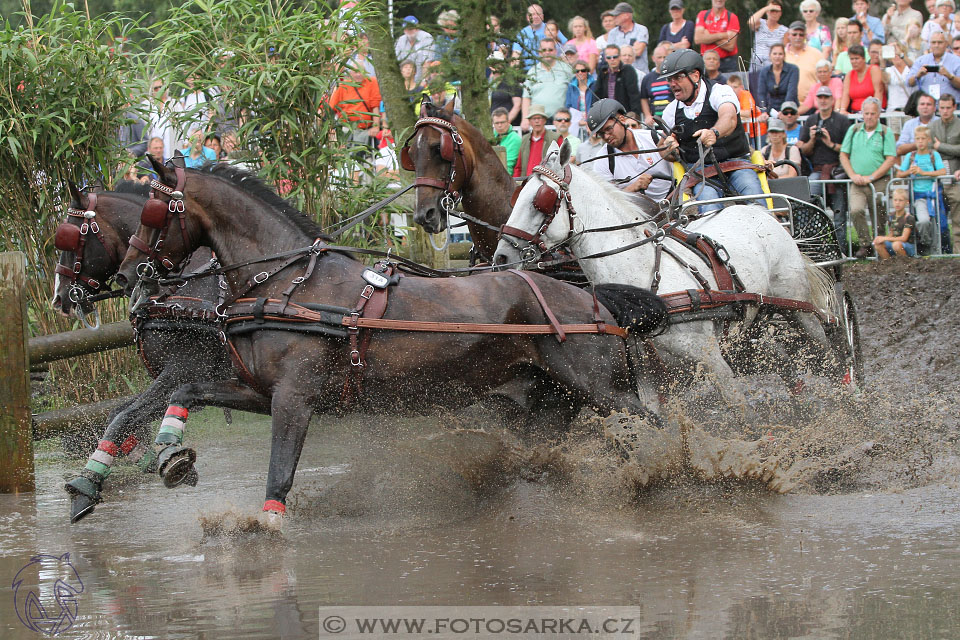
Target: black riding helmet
x=601, y=111
x=682, y=61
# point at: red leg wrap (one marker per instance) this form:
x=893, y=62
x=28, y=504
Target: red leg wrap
x=180, y=412
x=274, y=505
x=127, y=445
x=108, y=447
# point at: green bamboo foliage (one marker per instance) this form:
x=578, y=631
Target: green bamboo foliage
x=65, y=88
x=272, y=66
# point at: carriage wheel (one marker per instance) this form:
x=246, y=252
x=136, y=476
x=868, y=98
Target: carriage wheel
x=853, y=376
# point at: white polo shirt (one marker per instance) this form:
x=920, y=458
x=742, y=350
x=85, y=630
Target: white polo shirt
x=629, y=166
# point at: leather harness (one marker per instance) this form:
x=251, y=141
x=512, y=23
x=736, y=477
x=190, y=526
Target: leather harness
x=69, y=237
x=705, y=303
x=237, y=314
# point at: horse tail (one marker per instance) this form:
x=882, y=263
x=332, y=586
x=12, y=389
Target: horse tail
x=639, y=310
x=821, y=286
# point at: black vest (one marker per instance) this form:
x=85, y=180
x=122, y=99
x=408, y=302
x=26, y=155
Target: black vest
x=731, y=146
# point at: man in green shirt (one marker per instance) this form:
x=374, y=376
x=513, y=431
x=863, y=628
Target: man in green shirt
x=946, y=140
x=505, y=136
x=867, y=153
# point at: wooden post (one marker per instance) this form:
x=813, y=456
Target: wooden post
x=16, y=439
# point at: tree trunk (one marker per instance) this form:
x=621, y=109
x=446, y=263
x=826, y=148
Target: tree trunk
x=472, y=49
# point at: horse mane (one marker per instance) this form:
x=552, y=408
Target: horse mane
x=254, y=186
x=622, y=200
x=132, y=187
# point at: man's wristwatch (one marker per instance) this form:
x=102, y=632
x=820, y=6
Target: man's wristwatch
x=716, y=133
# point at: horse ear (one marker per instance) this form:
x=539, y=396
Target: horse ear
x=166, y=174
x=552, y=153
x=426, y=105
x=448, y=108
x=565, y=152
x=75, y=193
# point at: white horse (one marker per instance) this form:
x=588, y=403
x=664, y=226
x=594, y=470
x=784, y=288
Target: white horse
x=765, y=256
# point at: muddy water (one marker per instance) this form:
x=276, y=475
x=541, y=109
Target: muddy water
x=864, y=543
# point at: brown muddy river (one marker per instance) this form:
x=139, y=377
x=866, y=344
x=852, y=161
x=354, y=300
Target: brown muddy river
x=831, y=518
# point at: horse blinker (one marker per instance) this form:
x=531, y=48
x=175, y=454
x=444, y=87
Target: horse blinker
x=546, y=200
x=154, y=214
x=67, y=237
x=405, y=160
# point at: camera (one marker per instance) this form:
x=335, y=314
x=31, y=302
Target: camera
x=819, y=132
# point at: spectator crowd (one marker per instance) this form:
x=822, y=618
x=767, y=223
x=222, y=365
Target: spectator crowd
x=866, y=98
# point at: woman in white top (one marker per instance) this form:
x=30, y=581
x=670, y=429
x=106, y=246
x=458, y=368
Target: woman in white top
x=766, y=22
x=777, y=149
x=941, y=19
x=895, y=77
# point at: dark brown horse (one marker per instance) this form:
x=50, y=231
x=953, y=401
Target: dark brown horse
x=479, y=176
x=241, y=220
x=176, y=349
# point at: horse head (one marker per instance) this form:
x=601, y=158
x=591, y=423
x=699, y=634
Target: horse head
x=536, y=222
x=435, y=151
x=92, y=243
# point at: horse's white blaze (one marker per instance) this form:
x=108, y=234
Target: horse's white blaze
x=56, y=287
x=764, y=254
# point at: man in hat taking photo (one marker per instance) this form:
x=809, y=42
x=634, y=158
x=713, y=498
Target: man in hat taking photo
x=707, y=114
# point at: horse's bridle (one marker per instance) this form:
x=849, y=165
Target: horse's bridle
x=157, y=214
x=71, y=237
x=451, y=150
x=547, y=201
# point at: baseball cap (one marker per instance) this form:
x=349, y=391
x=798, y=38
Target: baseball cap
x=676, y=4
x=798, y=24
x=775, y=124
x=824, y=91
x=570, y=47
x=410, y=21
x=789, y=104
x=622, y=7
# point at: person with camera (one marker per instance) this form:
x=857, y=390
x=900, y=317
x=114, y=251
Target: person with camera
x=707, y=114
x=820, y=140
x=936, y=73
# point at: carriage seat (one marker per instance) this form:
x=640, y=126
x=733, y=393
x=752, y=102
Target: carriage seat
x=797, y=187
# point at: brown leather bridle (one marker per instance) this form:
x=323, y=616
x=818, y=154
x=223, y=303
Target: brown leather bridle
x=72, y=237
x=158, y=214
x=547, y=201
x=452, y=151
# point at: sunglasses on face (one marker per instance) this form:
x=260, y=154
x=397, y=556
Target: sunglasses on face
x=582, y=70
x=789, y=113
x=561, y=119
x=612, y=57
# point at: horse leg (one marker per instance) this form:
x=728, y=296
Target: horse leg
x=175, y=462
x=292, y=410
x=119, y=438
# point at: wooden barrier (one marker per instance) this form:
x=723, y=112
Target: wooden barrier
x=16, y=439
x=70, y=344
x=51, y=423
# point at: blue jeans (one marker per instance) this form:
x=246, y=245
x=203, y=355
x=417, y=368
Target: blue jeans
x=909, y=247
x=744, y=181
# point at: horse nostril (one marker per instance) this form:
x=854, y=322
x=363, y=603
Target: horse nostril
x=500, y=259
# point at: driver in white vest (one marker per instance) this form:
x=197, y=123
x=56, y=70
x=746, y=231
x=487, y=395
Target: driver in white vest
x=637, y=172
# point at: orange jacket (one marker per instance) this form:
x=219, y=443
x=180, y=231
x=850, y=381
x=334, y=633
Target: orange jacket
x=356, y=104
x=749, y=114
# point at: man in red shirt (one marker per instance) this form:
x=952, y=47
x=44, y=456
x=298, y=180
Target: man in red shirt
x=535, y=142
x=717, y=29
x=357, y=101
